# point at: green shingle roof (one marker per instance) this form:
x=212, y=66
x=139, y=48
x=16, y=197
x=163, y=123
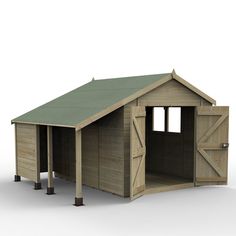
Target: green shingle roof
x=79, y=104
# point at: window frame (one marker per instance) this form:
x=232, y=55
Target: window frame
x=153, y=120
x=166, y=120
x=180, y=121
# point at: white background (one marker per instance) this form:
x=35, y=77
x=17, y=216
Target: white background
x=50, y=47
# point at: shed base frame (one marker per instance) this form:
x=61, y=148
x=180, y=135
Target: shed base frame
x=37, y=186
x=17, y=178
x=78, y=201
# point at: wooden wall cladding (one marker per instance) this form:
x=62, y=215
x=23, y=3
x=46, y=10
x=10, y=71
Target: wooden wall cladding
x=90, y=157
x=27, y=162
x=111, y=152
x=171, y=93
x=127, y=112
x=102, y=153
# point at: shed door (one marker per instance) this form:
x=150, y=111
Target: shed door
x=212, y=145
x=137, y=151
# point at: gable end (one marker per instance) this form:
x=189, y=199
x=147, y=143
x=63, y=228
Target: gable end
x=172, y=93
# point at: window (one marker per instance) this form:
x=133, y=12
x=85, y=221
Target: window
x=167, y=119
x=174, y=119
x=158, y=119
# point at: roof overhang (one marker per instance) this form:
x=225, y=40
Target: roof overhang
x=39, y=123
x=194, y=89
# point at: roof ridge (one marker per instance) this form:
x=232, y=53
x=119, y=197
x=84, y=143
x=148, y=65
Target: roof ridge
x=132, y=76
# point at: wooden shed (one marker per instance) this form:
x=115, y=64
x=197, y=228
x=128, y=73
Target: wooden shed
x=115, y=135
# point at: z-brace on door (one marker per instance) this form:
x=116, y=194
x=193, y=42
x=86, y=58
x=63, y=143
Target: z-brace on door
x=212, y=145
x=137, y=151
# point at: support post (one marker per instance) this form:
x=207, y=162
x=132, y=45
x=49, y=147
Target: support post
x=50, y=188
x=78, y=167
x=17, y=178
x=37, y=184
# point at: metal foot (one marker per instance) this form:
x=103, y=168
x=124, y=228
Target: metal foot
x=37, y=186
x=78, y=201
x=50, y=190
x=17, y=178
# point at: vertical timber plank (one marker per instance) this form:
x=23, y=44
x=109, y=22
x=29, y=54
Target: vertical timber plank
x=50, y=188
x=16, y=153
x=17, y=178
x=37, y=148
x=78, y=167
x=195, y=146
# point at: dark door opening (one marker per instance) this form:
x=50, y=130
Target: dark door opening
x=169, y=148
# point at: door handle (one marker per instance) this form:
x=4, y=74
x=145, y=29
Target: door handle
x=225, y=145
